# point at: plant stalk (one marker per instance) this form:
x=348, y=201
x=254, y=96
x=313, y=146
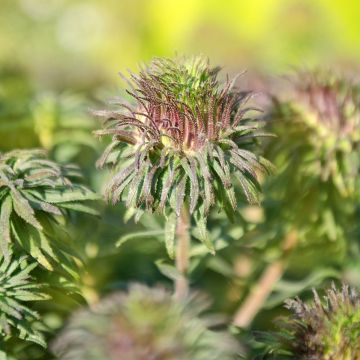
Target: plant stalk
x=182, y=254
x=261, y=291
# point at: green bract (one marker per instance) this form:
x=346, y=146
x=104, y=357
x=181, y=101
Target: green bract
x=35, y=193
x=143, y=324
x=183, y=143
x=328, y=329
x=17, y=287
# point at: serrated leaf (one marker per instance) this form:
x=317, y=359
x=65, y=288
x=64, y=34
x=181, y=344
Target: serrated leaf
x=24, y=210
x=75, y=193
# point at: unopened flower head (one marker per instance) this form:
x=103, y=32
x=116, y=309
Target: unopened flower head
x=321, y=117
x=183, y=142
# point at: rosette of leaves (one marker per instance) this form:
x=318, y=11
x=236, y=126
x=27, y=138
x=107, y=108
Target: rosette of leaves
x=183, y=144
x=323, y=329
x=16, y=288
x=35, y=197
x=144, y=323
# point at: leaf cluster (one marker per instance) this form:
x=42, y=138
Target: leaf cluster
x=35, y=194
x=16, y=288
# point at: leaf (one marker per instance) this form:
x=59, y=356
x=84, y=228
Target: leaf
x=41, y=205
x=180, y=195
x=201, y=232
x=208, y=196
x=167, y=183
x=288, y=289
x=29, y=239
x=74, y=193
x=226, y=182
x=5, y=239
x=189, y=166
x=170, y=233
x=167, y=270
x=24, y=210
x=139, y=235
x=80, y=207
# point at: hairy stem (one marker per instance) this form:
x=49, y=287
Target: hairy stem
x=261, y=291
x=182, y=254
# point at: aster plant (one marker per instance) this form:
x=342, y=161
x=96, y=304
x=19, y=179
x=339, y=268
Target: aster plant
x=145, y=323
x=327, y=328
x=36, y=195
x=179, y=149
x=310, y=204
x=317, y=154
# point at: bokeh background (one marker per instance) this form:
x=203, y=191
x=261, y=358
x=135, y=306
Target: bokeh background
x=60, y=58
x=76, y=44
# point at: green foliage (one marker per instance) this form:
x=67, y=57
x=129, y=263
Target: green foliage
x=35, y=194
x=145, y=323
x=184, y=143
x=57, y=122
x=328, y=329
x=17, y=287
x=62, y=125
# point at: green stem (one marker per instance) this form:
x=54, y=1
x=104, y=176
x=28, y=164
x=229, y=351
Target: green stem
x=182, y=255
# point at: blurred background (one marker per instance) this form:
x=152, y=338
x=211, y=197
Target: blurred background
x=60, y=58
x=74, y=44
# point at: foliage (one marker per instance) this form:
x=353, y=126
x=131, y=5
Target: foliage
x=328, y=329
x=35, y=194
x=144, y=323
x=184, y=142
x=62, y=125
